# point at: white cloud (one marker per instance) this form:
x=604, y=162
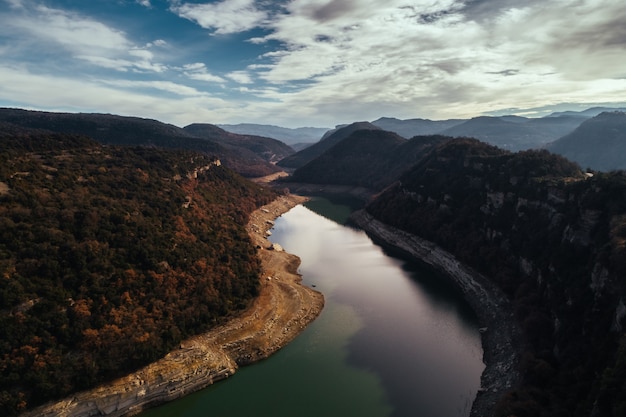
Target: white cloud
x=198, y=71
x=145, y=3
x=323, y=60
x=69, y=29
x=166, y=86
x=143, y=99
x=39, y=29
x=224, y=17
x=429, y=58
x=241, y=77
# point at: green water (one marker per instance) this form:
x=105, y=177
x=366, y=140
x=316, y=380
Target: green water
x=391, y=341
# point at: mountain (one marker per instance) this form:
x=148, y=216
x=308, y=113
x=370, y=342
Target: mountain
x=292, y=137
x=308, y=154
x=513, y=132
x=367, y=158
x=133, y=131
x=270, y=150
x=415, y=127
x=349, y=161
x=588, y=113
x=110, y=256
x=598, y=143
x=553, y=241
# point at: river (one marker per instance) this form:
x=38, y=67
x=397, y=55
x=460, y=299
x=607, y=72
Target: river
x=392, y=340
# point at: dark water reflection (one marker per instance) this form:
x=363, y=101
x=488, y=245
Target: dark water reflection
x=391, y=341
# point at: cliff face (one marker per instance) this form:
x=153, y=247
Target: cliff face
x=553, y=241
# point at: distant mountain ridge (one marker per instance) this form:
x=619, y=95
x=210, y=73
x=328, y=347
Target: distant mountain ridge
x=271, y=150
x=134, y=131
x=292, y=137
x=508, y=132
x=415, y=127
x=598, y=143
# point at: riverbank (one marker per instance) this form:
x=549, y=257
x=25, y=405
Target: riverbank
x=281, y=311
x=501, y=338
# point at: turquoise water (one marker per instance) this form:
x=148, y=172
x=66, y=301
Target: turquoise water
x=391, y=340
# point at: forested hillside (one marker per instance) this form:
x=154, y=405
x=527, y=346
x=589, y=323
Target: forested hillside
x=328, y=141
x=554, y=240
x=110, y=256
x=367, y=158
x=109, y=129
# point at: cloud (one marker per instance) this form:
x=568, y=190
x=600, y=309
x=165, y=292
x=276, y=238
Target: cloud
x=165, y=86
x=180, y=105
x=241, y=77
x=315, y=62
x=224, y=17
x=71, y=30
x=443, y=58
x=199, y=72
x=36, y=30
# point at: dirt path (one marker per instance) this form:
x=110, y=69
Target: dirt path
x=281, y=311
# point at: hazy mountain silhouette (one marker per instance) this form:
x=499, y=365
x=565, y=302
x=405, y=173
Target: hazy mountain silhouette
x=599, y=143
x=415, y=127
x=513, y=132
x=297, y=138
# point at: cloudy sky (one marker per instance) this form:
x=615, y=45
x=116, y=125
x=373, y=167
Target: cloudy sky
x=310, y=62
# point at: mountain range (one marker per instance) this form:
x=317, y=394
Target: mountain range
x=508, y=132
x=249, y=156
x=297, y=138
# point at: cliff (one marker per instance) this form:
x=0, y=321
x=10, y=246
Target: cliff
x=281, y=311
x=552, y=239
x=501, y=337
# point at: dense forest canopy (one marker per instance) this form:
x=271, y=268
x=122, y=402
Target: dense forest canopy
x=110, y=256
x=553, y=239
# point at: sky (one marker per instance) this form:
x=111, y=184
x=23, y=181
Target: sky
x=316, y=63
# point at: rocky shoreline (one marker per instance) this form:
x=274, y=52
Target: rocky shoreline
x=501, y=337
x=281, y=311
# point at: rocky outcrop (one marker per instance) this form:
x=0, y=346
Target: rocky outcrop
x=281, y=311
x=501, y=338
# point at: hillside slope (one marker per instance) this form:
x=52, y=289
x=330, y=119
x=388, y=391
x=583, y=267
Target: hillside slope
x=306, y=155
x=110, y=256
x=367, y=158
x=599, y=143
x=515, y=133
x=133, y=131
x=554, y=242
x=266, y=149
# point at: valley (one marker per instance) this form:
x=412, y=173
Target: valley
x=535, y=242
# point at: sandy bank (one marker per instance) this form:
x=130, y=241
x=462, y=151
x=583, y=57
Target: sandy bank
x=501, y=337
x=281, y=311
